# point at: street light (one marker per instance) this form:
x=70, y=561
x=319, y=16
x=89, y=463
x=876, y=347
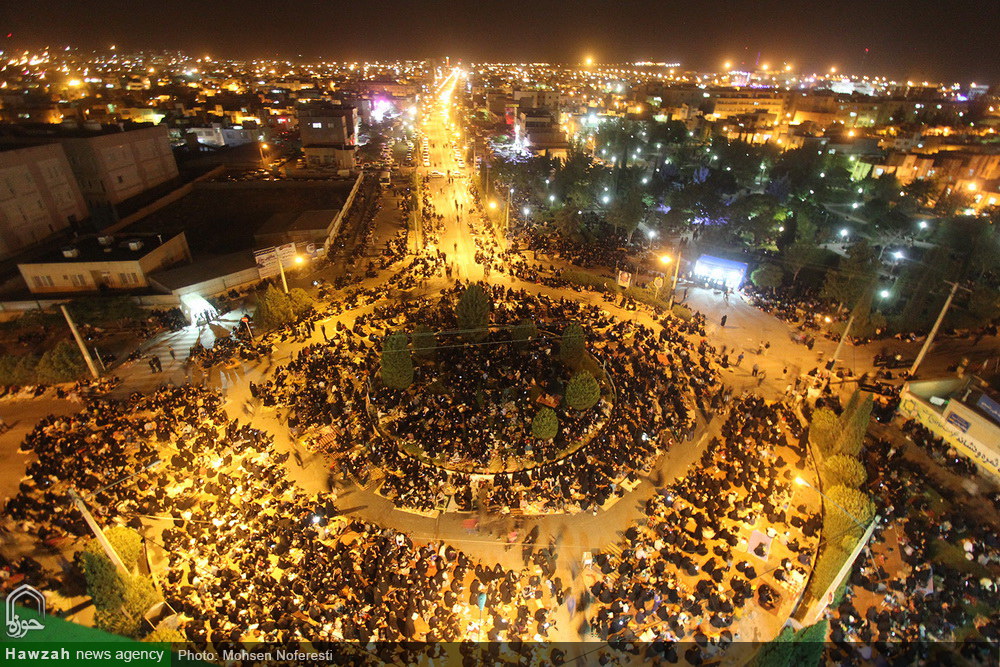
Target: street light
x=884, y=294
x=844, y=233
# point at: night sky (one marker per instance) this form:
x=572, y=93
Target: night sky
x=953, y=40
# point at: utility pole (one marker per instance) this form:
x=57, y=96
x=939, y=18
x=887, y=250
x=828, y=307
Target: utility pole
x=934, y=329
x=673, y=282
x=840, y=344
x=98, y=532
x=79, y=343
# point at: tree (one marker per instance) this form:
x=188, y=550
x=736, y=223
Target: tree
x=866, y=321
x=396, y=362
x=127, y=619
x=63, y=363
x=299, y=302
x=854, y=424
x=567, y=221
x=104, y=583
x=473, y=312
x=844, y=469
x=524, y=331
x=273, y=308
x=801, y=254
x=852, y=276
x=582, y=391
x=767, y=276
x=545, y=425
x=571, y=344
x=126, y=542
x=424, y=342
x=847, y=512
x=627, y=211
x=823, y=429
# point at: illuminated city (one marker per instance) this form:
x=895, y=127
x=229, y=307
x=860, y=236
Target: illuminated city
x=604, y=358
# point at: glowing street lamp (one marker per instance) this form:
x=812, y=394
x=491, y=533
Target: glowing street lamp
x=884, y=294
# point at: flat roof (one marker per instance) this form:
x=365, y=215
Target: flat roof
x=92, y=250
x=203, y=269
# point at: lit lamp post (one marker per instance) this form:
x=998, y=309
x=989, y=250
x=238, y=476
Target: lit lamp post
x=281, y=268
x=665, y=260
x=263, y=159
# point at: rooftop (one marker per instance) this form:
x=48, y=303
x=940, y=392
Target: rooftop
x=121, y=248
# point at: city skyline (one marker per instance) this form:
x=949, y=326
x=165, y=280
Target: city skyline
x=929, y=42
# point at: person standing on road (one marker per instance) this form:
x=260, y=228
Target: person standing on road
x=723, y=321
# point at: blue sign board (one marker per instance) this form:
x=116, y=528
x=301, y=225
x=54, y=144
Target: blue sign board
x=990, y=407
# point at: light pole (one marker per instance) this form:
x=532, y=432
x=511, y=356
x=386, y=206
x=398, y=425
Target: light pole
x=281, y=268
x=92, y=522
x=79, y=342
x=934, y=329
x=262, y=148
x=666, y=259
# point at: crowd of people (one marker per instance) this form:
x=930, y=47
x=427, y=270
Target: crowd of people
x=250, y=556
x=927, y=601
x=654, y=373
x=725, y=534
x=473, y=405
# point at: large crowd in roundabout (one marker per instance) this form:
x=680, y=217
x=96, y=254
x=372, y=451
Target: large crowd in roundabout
x=470, y=418
x=248, y=555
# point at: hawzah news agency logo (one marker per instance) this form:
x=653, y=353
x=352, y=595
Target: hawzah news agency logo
x=18, y=627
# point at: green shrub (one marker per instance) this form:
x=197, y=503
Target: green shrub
x=682, y=312
x=126, y=542
x=844, y=469
x=473, y=312
x=824, y=430
x=582, y=391
x=545, y=425
x=846, y=511
x=104, y=583
x=396, y=362
x=63, y=363
x=571, y=344
x=18, y=369
x=165, y=636
x=127, y=619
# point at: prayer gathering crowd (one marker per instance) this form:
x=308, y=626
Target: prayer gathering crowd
x=251, y=556
x=692, y=566
x=651, y=407
x=900, y=617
